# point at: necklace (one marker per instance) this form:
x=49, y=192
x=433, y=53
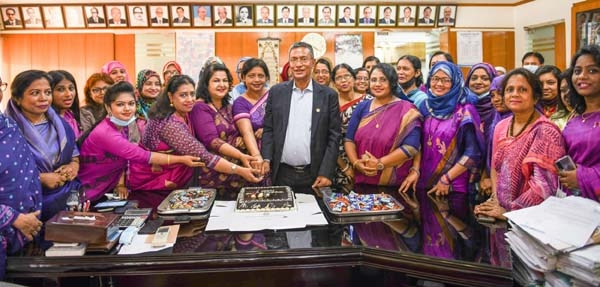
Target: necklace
x=40, y=120
x=512, y=124
x=590, y=114
x=382, y=114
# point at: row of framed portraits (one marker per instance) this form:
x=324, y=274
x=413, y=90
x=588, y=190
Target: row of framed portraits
x=243, y=15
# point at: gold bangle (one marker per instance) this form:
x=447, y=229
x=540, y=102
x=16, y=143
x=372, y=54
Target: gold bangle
x=346, y=168
x=168, y=159
x=354, y=163
x=412, y=168
x=119, y=185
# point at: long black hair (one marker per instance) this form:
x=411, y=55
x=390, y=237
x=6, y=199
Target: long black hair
x=57, y=76
x=204, y=82
x=577, y=100
x=162, y=108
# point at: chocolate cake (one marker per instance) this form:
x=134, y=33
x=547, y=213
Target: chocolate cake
x=265, y=199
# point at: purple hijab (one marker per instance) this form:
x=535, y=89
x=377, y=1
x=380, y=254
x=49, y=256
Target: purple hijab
x=484, y=106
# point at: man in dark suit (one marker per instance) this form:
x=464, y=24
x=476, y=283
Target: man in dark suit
x=12, y=18
x=265, y=16
x=301, y=130
x=222, y=13
x=158, y=18
x=95, y=18
x=180, y=16
x=347, y=18
x=426, y=16
x=447, y=20
x=306, y=19
x=285, y=16
x=387, y=16
x=367, y=16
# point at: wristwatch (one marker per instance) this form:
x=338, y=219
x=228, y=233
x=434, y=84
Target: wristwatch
x=380, y=165
x=234, y=168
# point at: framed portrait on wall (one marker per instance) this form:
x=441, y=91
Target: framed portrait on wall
x=116, y=16
x=94, y=16
x=181, y=15
x=327, y=15
x=426, y=15
x=367, y=15
x=243, y=15
x=346, y=15
x=138, y=15
x=285, y=15
x=264, y=15
x=32, y=16
x=447, y=15
x=202, y=15
x=74, y=16
x=159, y=16
x=223, y=14
x=387, y=15
x=11, y=18
x=407, y=15
x=305, y=15
x=53, y=17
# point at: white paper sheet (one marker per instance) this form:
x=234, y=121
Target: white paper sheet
x=223, y=217
x=138, y=245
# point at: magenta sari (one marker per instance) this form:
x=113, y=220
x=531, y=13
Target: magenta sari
x=380, y=132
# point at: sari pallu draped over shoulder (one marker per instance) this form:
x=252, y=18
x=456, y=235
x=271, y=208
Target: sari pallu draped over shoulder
x=380, y=132
x=62, y=139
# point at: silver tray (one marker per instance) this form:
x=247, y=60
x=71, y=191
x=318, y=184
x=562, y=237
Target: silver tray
x=165, y=205
x=327, y=198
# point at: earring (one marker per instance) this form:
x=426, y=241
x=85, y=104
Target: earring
x=171, y=105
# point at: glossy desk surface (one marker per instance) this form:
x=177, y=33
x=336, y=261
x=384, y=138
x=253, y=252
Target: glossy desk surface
x=197, y=251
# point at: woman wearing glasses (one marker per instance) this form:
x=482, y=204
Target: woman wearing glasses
x=93, y=111
x=170, y=69
x=452, y=145
x=169, y=132
x=49, y=137
x=344, y=78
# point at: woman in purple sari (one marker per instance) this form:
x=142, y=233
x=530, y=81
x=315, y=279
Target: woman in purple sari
x=106, y=151
x=382, y=137
x=169, y=132
x=452, y=148
x=49, y=137
x=213, y=124
x=249, y=108
x=581, y=132
x=20, y=191
x=65, y=100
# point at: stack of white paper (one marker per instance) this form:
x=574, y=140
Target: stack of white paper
x=551, y=239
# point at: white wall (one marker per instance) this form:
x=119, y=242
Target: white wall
x=485, y=17
x=540, y=12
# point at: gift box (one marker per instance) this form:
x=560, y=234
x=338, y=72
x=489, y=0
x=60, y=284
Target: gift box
x=83, y=227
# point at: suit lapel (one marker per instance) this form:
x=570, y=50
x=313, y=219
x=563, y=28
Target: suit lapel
x=287, y=101
x=317, y=109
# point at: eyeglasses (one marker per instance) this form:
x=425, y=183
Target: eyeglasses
x=99, y=90
x=10, y=14
x=444, y=81
x=345, y=77
x=3, y=86
x=302, y=60
x=172, y=73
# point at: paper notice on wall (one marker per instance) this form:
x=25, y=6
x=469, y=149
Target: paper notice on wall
x=469, y=48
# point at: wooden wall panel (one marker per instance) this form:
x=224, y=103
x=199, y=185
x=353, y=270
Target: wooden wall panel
x=560, y=46
x=124, y=51
x=101, y=49
x=16, y=54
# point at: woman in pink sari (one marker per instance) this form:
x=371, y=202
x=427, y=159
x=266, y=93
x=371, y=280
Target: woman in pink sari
x=581, y=132
x=524, y=149
x=382, y=137
x=169, y=132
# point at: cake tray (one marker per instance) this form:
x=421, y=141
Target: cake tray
x=350, y=199
x=209, y=193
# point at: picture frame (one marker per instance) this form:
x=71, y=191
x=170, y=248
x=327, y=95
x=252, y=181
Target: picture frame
x=180, y=16
x=223, y=15
x=447, y=16
x=367, y=15
x=159, y=15
x=243, y=15
x=202, y=16
x=346, y=15
x=305, y=15
x=138, y=15
x=74, y=16
x=387, y=16
x=285, y=15
x=117, y=18
x=426, y=15
x=32, y=17
x=264, y=15
x=53, y=16
x=94, y=16
x=407, y=15
x=327, y=15
x=11, y=17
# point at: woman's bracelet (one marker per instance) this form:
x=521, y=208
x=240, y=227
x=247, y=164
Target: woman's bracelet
x=346, y=168
x=354, y=164
x=412, y=168
x=119, y=185
x=168, y=159
x=445, y=179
